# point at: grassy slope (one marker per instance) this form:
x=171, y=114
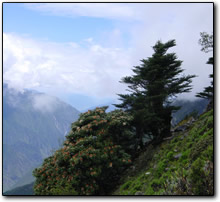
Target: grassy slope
x=158, y=171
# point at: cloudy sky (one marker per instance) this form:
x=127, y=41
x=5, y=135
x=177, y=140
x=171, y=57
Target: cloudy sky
x=80, y=51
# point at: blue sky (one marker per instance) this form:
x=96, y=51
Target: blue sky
x=80, y=51
x=18, y=18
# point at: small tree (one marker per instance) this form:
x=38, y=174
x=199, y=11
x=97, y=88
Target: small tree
x=152, y=88
x=206, y=41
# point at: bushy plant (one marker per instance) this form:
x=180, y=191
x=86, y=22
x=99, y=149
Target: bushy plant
x=91, y=159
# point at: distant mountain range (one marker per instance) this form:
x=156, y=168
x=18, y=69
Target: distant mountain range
x=187, y=107
x=23, y=190
x=34, y=125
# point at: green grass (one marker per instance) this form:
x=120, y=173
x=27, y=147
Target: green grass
x=163, y=174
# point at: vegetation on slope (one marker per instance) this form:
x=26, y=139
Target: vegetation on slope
x=182, y=165
x=101, y=145
x=92, y=159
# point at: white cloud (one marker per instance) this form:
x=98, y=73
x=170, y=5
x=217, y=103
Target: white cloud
x=89, y=40
x=64, y=67
x=95, y=69
x=44, y=103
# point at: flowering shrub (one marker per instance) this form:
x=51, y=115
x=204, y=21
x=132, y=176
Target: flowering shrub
x=92, y=157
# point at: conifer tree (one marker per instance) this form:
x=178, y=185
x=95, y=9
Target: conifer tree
x=152, y=88
x=206, y=41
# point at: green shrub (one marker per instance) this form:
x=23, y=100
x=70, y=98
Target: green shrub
x=91, y=159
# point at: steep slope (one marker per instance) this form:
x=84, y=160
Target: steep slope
x=34, y=125
x=181, y=165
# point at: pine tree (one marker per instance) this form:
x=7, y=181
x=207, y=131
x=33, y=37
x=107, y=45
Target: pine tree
x=152, y=88
x=206, y=41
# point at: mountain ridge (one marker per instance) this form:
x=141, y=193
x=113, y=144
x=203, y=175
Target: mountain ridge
x=34, y=125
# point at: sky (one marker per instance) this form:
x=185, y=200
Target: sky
x=79, y=52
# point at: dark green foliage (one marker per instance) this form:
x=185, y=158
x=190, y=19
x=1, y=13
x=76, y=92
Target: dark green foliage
x=154, y=83
x=92, y=158
x=206, y=41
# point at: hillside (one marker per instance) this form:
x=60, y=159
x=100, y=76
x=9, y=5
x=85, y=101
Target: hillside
x=174, y=167
x=23, y=190
x=197, y=106
x=34, y=125
x=181, y=165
